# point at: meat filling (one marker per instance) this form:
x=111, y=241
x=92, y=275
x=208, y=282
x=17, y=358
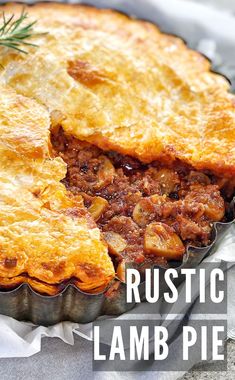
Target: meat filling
x=147, y=213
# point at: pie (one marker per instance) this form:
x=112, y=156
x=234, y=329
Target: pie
x=117, y=147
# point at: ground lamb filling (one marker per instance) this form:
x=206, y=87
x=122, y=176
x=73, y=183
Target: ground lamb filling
x=147, y=213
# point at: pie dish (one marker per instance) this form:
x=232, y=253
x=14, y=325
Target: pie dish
x=117, y=147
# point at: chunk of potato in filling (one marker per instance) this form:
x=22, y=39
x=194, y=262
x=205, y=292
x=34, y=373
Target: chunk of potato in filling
x=161, y=240
x=143, y=212
x=105, y=173
x=115, y=242
x=121, y=271
x=97, y=207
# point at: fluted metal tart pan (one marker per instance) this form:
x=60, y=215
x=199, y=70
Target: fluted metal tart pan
x=72, y=304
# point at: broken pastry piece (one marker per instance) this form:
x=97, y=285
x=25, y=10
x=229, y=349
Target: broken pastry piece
x=47, y=236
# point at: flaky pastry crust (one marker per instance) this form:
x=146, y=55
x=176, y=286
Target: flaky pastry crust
x=118, y=83
x=123, y=85
x=45, y=234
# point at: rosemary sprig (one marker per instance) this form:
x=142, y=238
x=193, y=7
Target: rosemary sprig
x=14, y=33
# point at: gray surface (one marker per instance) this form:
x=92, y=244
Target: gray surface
x=59, y=361
x=202, y=374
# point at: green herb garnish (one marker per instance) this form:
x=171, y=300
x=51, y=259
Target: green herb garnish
x=15, y=33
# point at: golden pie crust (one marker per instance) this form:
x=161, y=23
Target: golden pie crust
x=123, y=85
x=118, y=83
